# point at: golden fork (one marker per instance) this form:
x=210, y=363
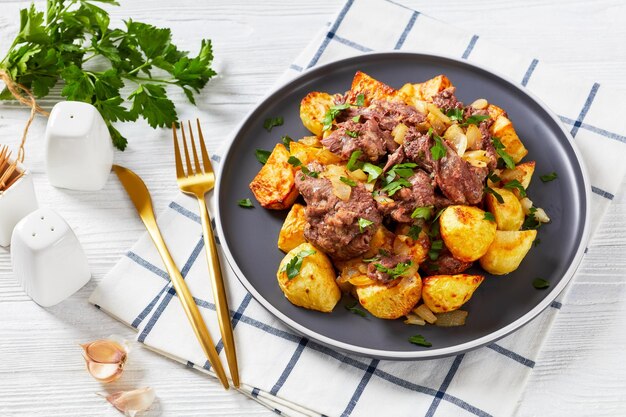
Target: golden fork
x=198, y=182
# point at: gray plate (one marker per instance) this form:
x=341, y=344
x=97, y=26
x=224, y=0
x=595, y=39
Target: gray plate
x=501, y=304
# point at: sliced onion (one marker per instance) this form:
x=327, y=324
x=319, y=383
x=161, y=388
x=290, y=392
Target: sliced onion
x=480, y=104
x=455, y=137
x=369, y=186
x=358, y=175
x=434, y=110
x=399, y=132
x=474, y=137
x=383, y=199
x=421, y=106
x=413, y=319
x=527, y=204
x=400, y=246
x=361, y=281
x=424, y=312
x=451, y=318
x=541, y=216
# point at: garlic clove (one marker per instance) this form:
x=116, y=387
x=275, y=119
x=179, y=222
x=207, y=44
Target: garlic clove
x=105, y=372
x=132, y=402
x=105, y=359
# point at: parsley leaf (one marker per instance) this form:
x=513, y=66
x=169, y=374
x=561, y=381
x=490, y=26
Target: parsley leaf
x=395, y=186
x=422, y=213
x=414, y=232
x=246, y=203
x=475, y=119
x=295, y=162
x=540, y=283
x=516, y=184
x=286, y=140
x=360, y=100
x=397, y=270
x=295, y=264
x=262, y=155
x=489, y=216
x=455, y=114
x=531, y=222
x=354, y=309
x=500, y=150
x=364, y=223
x=438, y=150
x=436, y=246
x=418, y=339
x=356, y=118
x=348, y=181
x=331, y=113
x=272, y=122
x=373, y=171
x=352, y=133
x=353, y=162
x=548, y=177
x=495, y=194
x=493, y=177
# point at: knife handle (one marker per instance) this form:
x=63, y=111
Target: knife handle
x=188, y=303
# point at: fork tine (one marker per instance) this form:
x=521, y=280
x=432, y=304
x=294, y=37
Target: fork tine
x=189, y=168
x=205, y=155
x=193, y=148
x=180, y=173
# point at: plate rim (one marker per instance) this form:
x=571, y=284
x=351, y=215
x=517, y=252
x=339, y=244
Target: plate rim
x=425, y=353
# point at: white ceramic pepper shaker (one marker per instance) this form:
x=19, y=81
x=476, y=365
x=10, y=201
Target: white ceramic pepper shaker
x=47, y=258
x=79, y=151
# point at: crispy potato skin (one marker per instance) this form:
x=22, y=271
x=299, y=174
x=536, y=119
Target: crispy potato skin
x=306, y=154
x=495, y=111
x=313, y=108
x=507, y=251
x=371, y=88
x=465, y=232
x=523, y=173
x=292, y=232
x=391, y=302
x=442, y=293
x=314, y=287
x=509, y=215
x=275, y=185
x=411, y=93
x=503, y=129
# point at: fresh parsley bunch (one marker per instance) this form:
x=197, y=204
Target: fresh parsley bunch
x=56, y=45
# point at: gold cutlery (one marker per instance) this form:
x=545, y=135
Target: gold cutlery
x=198, y=182
x=140, y=196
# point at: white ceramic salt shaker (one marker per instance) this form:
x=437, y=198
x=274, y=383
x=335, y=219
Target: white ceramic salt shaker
x=47, y=258
x=15, y=203
x=79, y=151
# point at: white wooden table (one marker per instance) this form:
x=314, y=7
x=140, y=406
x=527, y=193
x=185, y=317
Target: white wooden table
x=582, y=370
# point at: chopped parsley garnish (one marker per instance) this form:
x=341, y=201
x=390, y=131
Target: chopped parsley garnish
x=475, y=119
x=372, y=259
x=455, y=114
x=356, y=118
x=500, y=150
x=295, y=162
x=435, y=248
x=293, y=266
x=397, y=270
x=540, y=283
x=418, y=339
x=364, y=223
x=536, y=242
x=352, y=133
x=245, y=202
x=434, y=231
x=354, y=309
x=438, y=150
x=548, y=177
x=360, y=100
x=306, y=171
x=286, y=140
x=262, y=155
x=495, y=194
x=438, y=214
x=414, y=232
x=395, y=186
x=333, y=112
x=353, y=162
x=531, y=222
x=373, y=171
x=493, y=177
x=516, y=184
x=348, y=181
x=402, y=170
x=422, y=213
x=489, y=216
x=272, y=122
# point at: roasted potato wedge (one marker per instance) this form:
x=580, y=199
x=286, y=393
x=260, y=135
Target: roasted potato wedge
x=292, y=232
x=466, y=232
x=275, y=185
x=382, y=239
x=313, y=108
x=353, y=272
x=507, y=251
x=391, y=302
x=308, y=154
x=522, y=173
x=503, y=128
x=430, y=88
x=314, y=286
x=508, y=214
x=405, y=245
x=371, y=88
x=442, y=293
x=495, y=111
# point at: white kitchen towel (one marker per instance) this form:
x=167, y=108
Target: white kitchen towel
x=295, y=376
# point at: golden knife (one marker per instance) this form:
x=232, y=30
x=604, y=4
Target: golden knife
x=140, y=196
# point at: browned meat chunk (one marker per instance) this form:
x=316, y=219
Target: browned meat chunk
x=457, y=180
x=388, y=262
x=351, y=136
x=417, y=148
x=389, y=113
x=332, y=224
x=446, y=100
x=445, y=264
x=420, y=194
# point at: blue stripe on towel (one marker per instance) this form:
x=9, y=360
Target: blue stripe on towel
x=292, y=363
x=585, y=109
x=556, y=304
x=510, y=354
x=347, y=42
x=602, y=193
x=594, y=129
x=529, y=72
x=144, y=313
x=444, y=385
x=333, y=29
x=182, y=210
x=360, y=388
x=470, y=47
x=296, y=67
x=406, y=30
x=150, y=267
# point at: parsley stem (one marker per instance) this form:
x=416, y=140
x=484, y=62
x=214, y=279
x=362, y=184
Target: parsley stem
x=140, y=67
x=152, y=80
